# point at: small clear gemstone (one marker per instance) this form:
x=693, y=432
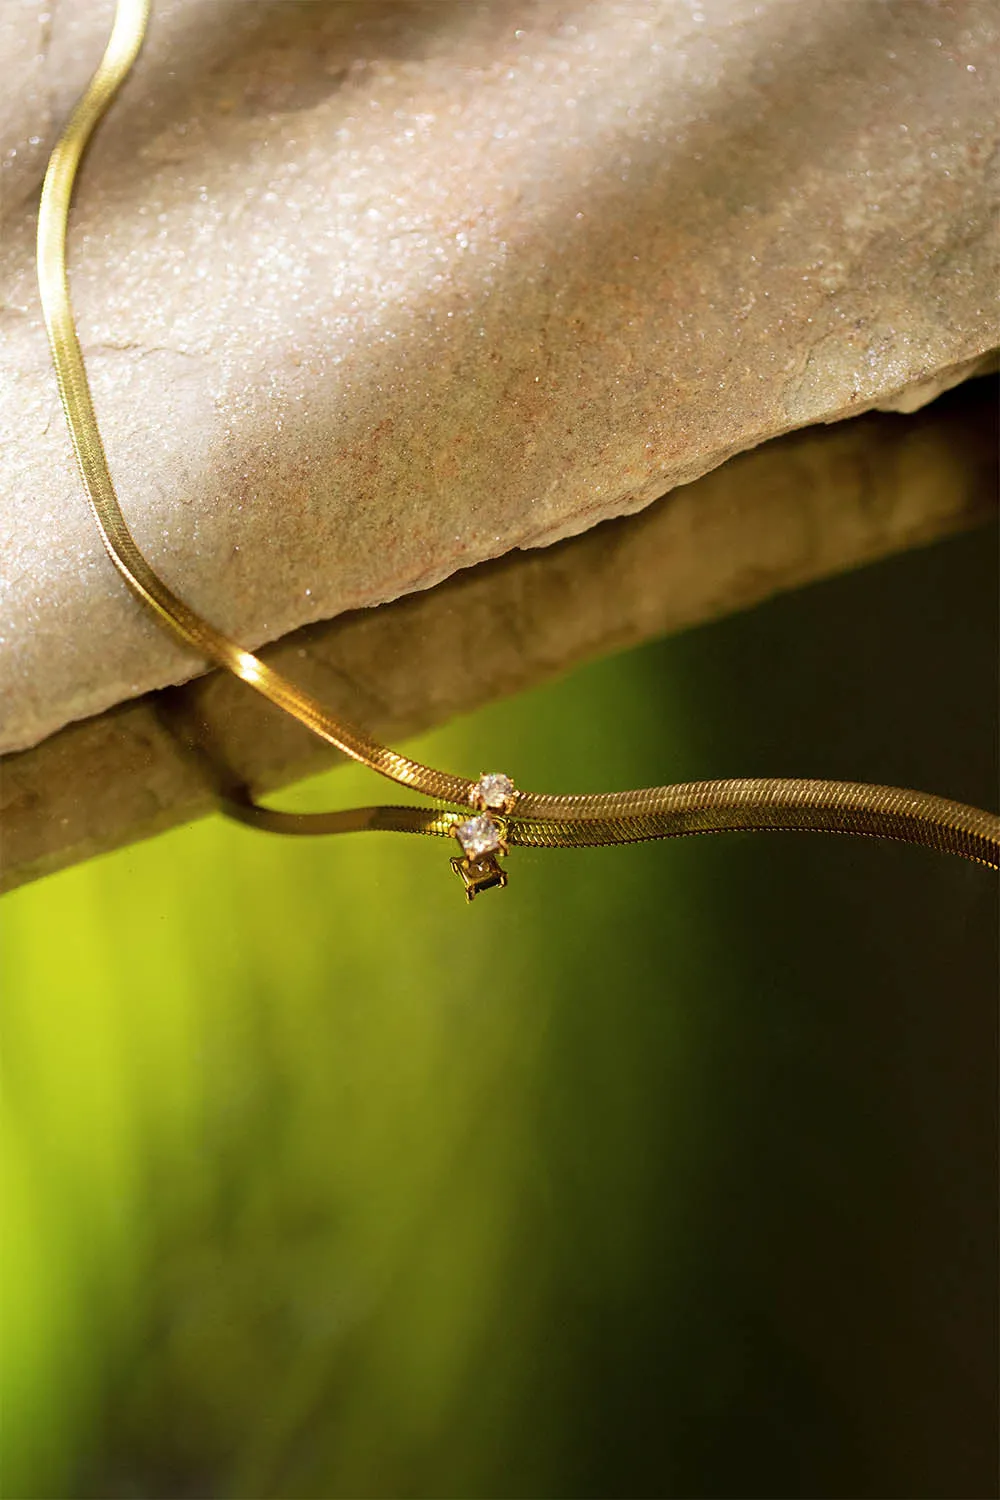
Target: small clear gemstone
x=478, y=836
x=496, y=790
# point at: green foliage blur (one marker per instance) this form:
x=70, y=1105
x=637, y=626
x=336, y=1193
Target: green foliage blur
x=665, y=1171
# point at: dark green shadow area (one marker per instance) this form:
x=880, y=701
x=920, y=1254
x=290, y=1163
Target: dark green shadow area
x=670, y=1171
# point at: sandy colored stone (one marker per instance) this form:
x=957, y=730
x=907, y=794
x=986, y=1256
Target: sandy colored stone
x=374, y=291
x=800, y=508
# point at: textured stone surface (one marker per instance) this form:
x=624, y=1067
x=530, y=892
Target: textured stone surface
x=791, y=511
x=373, y=291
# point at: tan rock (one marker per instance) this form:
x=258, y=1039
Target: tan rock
x=374, y=291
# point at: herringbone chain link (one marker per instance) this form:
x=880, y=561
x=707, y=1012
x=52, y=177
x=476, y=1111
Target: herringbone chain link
x=494, y=814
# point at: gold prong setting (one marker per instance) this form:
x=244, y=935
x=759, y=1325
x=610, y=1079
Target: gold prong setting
x=482, y=836
x=493, y=792
x=480, y=874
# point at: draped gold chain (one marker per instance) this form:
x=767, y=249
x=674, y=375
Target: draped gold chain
x=494, y=813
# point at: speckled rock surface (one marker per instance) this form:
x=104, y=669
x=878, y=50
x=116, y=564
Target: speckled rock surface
x=373, y=291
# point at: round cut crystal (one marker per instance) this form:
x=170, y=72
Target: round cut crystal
x=478, y=836
x=496, y=791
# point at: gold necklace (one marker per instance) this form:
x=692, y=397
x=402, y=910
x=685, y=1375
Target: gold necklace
x=495, y=814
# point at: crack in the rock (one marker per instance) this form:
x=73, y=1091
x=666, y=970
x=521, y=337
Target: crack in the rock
x=134, y=347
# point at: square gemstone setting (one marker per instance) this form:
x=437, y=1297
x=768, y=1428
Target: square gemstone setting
x=478, y=836
x=495, y=791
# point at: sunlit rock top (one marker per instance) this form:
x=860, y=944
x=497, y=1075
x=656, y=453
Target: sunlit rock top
x=374, y=291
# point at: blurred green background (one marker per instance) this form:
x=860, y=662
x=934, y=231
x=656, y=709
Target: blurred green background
x=669, y=1171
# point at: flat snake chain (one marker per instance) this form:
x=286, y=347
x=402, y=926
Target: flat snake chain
x=536, y=820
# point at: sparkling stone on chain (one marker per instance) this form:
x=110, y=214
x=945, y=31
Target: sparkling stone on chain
x=496, y=791
x=478, y=836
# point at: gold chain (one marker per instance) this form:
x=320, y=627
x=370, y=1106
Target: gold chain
x=494, y=814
